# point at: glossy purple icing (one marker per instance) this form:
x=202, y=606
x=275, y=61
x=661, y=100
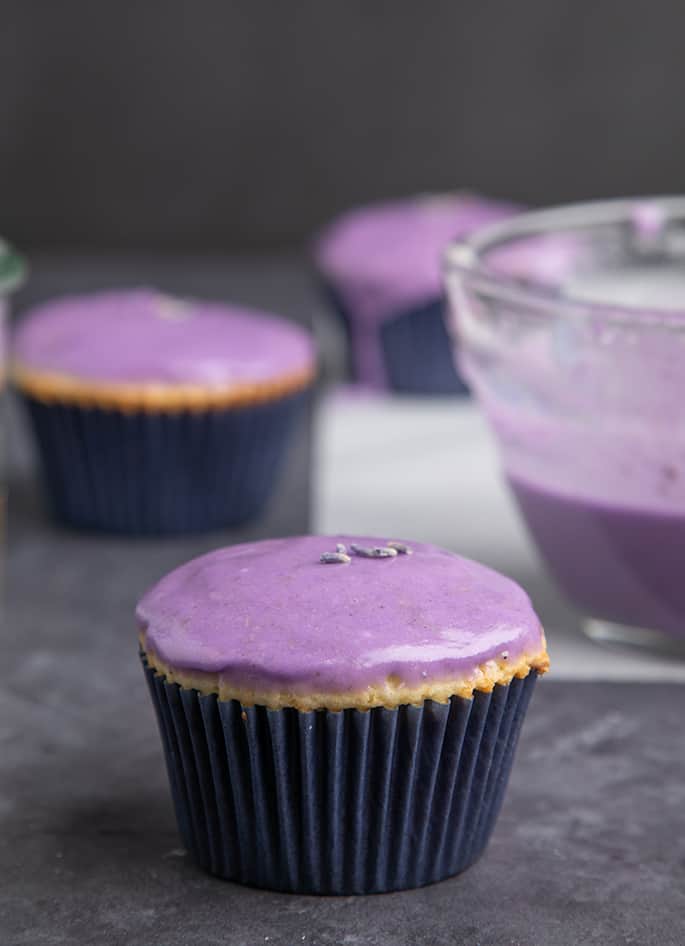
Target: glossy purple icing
x=269, y=615
x=143, y=336
x=386, y=258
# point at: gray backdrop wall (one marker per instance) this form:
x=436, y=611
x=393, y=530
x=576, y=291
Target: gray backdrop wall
x=234, y=124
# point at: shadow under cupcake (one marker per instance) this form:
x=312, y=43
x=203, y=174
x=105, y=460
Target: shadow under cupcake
x=339, y=714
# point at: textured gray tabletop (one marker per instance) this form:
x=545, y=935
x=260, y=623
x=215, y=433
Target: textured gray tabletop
x=590, y=846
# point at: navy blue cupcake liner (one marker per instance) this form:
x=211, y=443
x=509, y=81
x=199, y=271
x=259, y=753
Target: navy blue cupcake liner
x=419, y=354
x=344, y=802
x=146, y=473
x=416, y=347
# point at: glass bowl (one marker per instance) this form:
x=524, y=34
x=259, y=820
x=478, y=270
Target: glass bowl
x=570, y=328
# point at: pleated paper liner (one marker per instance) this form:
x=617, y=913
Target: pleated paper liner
x=149, y=473
x=416, y=348
x=344, y=802
x=418, y=352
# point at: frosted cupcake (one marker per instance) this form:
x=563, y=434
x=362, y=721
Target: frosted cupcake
x=381, y=268
x=155, y=415
x=339, y=715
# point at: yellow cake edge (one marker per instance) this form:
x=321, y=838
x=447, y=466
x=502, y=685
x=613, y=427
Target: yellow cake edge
x=53, y=387
x=390, y=694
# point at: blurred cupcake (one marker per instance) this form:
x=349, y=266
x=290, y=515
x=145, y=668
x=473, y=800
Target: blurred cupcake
x=381, y=266
x=157, y=415
x=338, y=714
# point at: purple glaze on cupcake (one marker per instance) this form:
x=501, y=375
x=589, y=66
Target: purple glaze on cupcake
x=385, y=259
x=270, y=615
x=144, y=337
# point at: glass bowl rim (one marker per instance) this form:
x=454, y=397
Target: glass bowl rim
x=464, y=258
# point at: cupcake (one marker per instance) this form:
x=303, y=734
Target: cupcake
x=380, y=266
x=339, y=715
x=156, y=415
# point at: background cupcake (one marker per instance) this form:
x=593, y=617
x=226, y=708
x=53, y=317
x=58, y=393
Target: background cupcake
x=157, y=415
x=339, y=715
x=380, y=266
